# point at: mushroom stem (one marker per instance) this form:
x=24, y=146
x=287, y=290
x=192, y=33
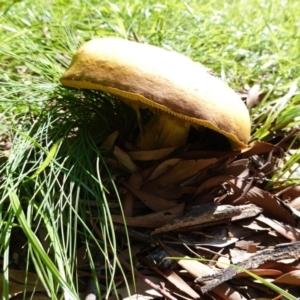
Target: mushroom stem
x=163, y=131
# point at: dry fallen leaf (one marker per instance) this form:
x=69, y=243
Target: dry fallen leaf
x=153, y=202
x=179, y=173
x=163, y=167
x=292, y=277
x=140, y=289
x=272, y=207
x=178, y=282
x=124, y=159
x=173, y=192
x=223, y=262
x=21, y=280
x=151, y=154
x=291, y=233
x=260, y=148
x=109, y=142
x=261, y=273
x=212, y=182
x=197, y=269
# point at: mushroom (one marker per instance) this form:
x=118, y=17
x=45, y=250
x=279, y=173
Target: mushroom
x=179, y=92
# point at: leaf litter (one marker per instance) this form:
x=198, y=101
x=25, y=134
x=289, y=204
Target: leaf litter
x=175, y=221
x=191, y=212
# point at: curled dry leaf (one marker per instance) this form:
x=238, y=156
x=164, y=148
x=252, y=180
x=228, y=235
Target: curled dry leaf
x=292, y=277
x=260, y=148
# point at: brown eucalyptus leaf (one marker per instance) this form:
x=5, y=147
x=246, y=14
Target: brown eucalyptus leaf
x=153, y=202
x=153, y=220
x=115, y=165
x=271, y=206
x=291, y=193
x=197, y=269
x=292, y=278
x=20, y=276
x=139, y=288
x=291, y=233
x=180, y=172
x=223, y=262
x=260, y=148
x=163, y=167
x=173, y=192
x=178, y=282
x=292, y=196
x=254, y=225
x=261, y=272
x=226, y=292
x=19, y=280
x=151, y=154
x=128, y=199
x=109, y=142
x=124, y=159
x=212, y=182
x=295, y=203
x=238, y=168
x=283, y=268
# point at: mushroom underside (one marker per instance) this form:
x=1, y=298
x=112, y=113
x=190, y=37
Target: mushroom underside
x=163, y=131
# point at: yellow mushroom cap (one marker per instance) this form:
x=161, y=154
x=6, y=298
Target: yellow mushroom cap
x=147, y=76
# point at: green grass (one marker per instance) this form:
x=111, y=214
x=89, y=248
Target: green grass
x=54, y=176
